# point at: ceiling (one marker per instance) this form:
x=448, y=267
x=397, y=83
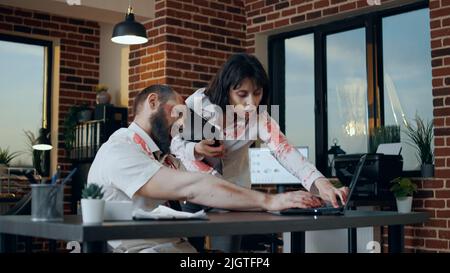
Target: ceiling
x=107, y=11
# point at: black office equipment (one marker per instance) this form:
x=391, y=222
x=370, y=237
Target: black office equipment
x=329, y=210
x=90, y=135
x=376, y=174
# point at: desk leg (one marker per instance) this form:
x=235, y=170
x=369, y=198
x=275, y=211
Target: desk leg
x=7, y=243
x=52, y=246
x=28, y=244
x=396, y=239
x=298, y=242
x=94, y=247
x=352, y=240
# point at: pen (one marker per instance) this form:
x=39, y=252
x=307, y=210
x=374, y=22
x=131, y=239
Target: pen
x=69, y=176
x=56, y=176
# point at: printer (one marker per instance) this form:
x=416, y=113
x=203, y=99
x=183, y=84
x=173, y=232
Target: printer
x=379, y=170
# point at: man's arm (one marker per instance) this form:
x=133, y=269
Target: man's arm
x=204, y=189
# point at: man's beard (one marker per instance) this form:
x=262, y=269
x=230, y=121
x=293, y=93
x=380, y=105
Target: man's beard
x=160, y=131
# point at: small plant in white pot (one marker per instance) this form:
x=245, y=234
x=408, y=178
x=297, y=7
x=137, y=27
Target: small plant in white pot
x=403, y=190
x=92, y=205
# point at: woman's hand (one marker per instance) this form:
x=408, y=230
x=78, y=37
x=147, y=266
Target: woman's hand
x=328, y=192
x=293, y=199
x=206, y=148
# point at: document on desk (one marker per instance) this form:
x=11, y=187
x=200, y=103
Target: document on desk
x=389, y=148
x=166, y=213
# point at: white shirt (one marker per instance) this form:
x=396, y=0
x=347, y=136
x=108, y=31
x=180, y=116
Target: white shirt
x=122, y=166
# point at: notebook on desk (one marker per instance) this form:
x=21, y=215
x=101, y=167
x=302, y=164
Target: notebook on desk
x=328, y=209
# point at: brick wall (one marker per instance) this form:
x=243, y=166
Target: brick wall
x=79, y=62
x=436, y=233
x=188, y=42
x=268, y=15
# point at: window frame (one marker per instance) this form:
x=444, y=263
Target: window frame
x=47, y=96
x=372, y=23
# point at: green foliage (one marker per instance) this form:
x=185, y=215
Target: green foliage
x=403, y=187
x=6, y=157
x=69, y=124
x=383, y=134
x=35, y=154
x=100, y=88
x=422, y=139
x=92, y=191
x=31, y=141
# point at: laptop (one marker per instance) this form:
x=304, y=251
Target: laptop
x=329, y=209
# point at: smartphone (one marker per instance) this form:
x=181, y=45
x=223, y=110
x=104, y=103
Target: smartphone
x=194, y=117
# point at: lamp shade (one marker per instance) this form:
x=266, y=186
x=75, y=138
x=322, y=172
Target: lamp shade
x=43, y=141
x=335, y=149
x=129, y=32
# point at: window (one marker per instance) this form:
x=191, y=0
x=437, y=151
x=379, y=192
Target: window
x=407, y=74
x=337, y=82
x=299, y=115
x=24, y=91
x=347, y=90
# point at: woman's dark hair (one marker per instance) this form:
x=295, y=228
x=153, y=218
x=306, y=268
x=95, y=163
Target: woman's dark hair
x=237, y=68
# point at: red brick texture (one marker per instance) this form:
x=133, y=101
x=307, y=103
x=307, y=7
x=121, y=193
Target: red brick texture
x=434, y=235
x=79, y=60
x=188, y=42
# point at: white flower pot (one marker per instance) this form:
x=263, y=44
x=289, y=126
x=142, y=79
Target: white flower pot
x=404, y=204
x=92, y=210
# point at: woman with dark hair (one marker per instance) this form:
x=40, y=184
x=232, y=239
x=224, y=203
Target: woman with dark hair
x=242, y=85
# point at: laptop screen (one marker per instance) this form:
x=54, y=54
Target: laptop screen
x=355, y=178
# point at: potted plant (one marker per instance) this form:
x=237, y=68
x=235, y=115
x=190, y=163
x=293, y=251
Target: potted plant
x=35, y=154
x=5, y=158
x=103, y=97
x=84, y=112
x=92, y=204
x=422, y=139
x=403, y=190
x=70, y=122
x=383, y=134
x=76, y=114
